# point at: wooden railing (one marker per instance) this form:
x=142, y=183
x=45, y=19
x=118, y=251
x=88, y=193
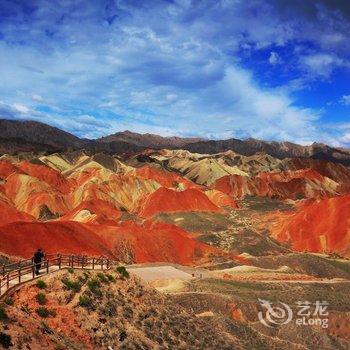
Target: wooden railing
x=16, y=273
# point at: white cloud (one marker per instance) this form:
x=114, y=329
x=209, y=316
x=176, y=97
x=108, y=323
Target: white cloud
x=81, y=125
x=37, y=98
x=21, y=108
x=345, y=100
x=265, y=113
x=345, y=139
x=171, y=97
x=322, y=64
x=274, y=58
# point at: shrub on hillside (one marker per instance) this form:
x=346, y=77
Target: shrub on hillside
x=102, y=277
x=94, y=286
x=3, y=314
x=122, y=272
x=85, y=301
x=82, y=279
x=44, y=312
x=9, y=301
x=41, y=298
x=110, y=277
x=74, y=286
x=41, y=284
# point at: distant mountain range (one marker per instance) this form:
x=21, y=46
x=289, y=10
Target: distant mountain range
x=150, y=140
x=31, y=136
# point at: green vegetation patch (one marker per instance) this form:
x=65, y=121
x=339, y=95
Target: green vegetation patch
x=102, y=277
x=94, y=286
x=41, y=298
x=41, y=284
x=44, y=312
x=110, y=277
x=74, y=286
x=85, y=301
x=9, y=301
x=122, y=272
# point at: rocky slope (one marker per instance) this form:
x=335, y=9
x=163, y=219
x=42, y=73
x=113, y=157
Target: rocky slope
x=36, y=133
x=105, y=310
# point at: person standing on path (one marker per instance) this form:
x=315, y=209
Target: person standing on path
x=37, y=259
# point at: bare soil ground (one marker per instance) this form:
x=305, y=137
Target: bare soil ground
x=159, y=273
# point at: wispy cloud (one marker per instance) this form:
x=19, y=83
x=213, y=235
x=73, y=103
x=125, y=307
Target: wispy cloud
x=323, y=64
x=345, y=100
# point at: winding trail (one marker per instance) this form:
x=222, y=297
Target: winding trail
x=163, y=276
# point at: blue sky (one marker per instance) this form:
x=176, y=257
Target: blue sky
x=269, y=69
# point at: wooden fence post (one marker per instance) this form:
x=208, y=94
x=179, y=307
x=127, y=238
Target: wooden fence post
x=19, y=274
x=93, y=263
x=47, y=266
x=8, y=281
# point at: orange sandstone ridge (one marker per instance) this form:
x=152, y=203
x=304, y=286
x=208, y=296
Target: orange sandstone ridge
x=164, y=178
x=149, y=242
x=318, y=226
x=306, y=183
x=167, y=200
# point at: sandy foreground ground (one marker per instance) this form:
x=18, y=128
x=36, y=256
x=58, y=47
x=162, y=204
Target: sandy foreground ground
x=151, y=274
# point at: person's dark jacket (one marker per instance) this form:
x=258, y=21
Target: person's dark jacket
x=38, y=256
